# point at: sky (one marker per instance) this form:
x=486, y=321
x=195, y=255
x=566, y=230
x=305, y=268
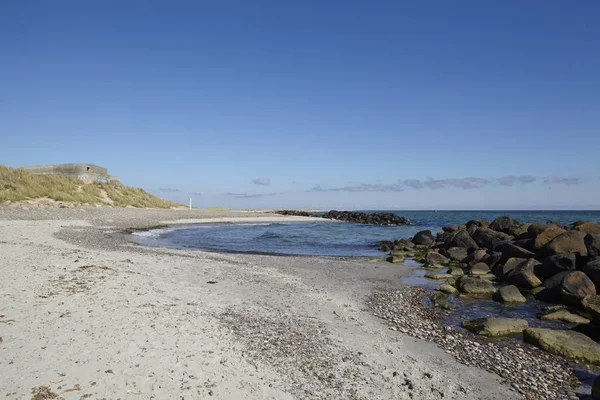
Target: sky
x=312, y=104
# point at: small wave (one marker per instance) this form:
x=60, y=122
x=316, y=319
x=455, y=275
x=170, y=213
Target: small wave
x=153, y=233
x=270, y=235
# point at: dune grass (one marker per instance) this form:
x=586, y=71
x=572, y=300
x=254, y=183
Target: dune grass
x=18, y=184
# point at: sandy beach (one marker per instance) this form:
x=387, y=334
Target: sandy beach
x=86, y=313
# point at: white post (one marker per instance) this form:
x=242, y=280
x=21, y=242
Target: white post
x=190, y=203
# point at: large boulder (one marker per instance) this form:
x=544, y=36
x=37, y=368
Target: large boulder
x=503, y=270
x=461, y=239
x=536, y=228
x=424, y=238
x=589, y=227
x=446, y=288
x=450, y=228
x=550, y=288
x=492, y=259
x=509, y=250
x=505, y=224
x=592, y=270
x=546, y=236
x=489, y=238
x=565, y=316
x=475, y=286
x=434, y=259
x=567, y=243
x=509, y=294
x=591, y=302
x=457, y=253
x=569, y=344
x=524, y=275
x=495, y=326
x=554, y=264
x=592, y=244
x=480, y=269
x=521, y=231
x=575, y=286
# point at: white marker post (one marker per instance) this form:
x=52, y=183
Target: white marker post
x=190, y=203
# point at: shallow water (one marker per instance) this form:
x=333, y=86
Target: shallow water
x=330, y=239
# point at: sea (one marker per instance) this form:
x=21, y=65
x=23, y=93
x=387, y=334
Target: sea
x=324, y=238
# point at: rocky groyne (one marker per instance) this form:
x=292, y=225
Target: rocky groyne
x=379, y=218
x=512, y=262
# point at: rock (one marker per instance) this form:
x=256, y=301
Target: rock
x=569, y=344
x=592, y=244
x=509, y=294
x=480, y=269
x=521, y=230
x=554, y=264
x=395, y=259
x=596, y=389
x=591, y=302
x=367, y=218
x=505, y=224
x=509, y=250
x=553, y=307
x=536, y=228
x=539, y=292
x=546, y=236
x=493, y=259
x=402, y=253
x=438, y=276
x=588, y=227
x=446, y=288
x=450, y=228
x=403, y=245
x=455, y=271
x=565, y=316
x=527, y=244
x=589, y=330
x=456, y=253
x=575, y=286
x=475, y=286
x=550, y=288
x=462, y=239
x=567, y=243
x=488, y=238
x=488, y=276
x=439, y=300
x=434, y=259
x=424, y=238
x=524, y=275
x=496, y=326
x=502, y=271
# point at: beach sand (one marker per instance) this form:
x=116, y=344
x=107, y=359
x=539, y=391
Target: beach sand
x=86, y=313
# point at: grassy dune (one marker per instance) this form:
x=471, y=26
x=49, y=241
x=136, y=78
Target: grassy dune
x=18, y=184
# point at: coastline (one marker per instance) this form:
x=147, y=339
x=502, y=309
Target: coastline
x=87, y=313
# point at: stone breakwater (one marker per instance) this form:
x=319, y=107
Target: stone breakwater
x=530, y=372
x=367, y=218
x=296, y=213
x=513, y=262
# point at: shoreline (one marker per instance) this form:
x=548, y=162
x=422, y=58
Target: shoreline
x=80, y=302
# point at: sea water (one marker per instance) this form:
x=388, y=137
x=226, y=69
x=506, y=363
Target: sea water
x=324, y=238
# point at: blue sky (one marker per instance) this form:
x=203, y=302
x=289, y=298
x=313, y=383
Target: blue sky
x=330, y=104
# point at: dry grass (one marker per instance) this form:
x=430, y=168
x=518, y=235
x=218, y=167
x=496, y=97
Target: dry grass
x=18, y=184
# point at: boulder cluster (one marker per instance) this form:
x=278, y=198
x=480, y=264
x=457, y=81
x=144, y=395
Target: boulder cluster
x=379, y=218
x=509, y=261
x=296, y=213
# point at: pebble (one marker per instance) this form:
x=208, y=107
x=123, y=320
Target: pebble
x=531, y=372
